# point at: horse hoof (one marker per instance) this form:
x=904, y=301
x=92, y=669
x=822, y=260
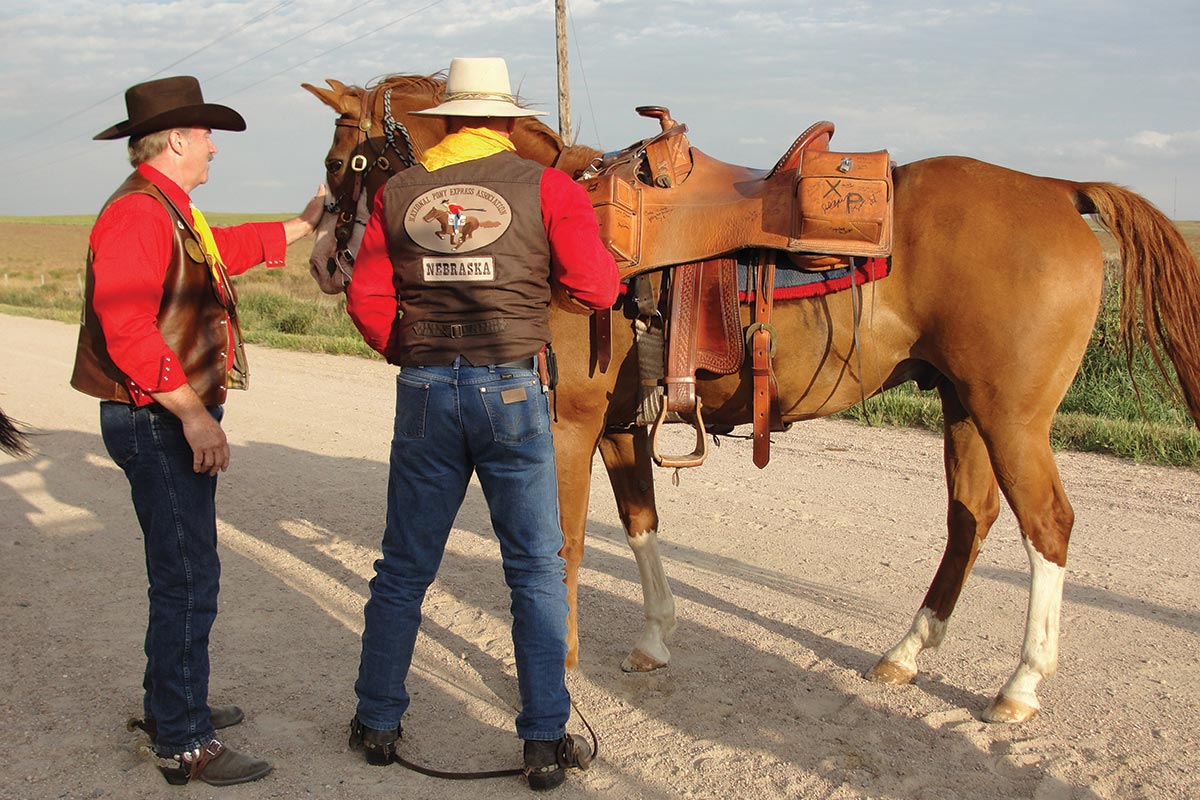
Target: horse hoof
x=1009, y=711
x=638, y=661
x=891, y=673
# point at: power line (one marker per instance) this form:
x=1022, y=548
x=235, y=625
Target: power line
x=250, y=22
x=288, y=41
x=37, y=165
x=335, y=48
x=103, y=100
x=583, y=72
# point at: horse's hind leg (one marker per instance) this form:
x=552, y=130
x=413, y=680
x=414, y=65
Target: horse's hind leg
x=626, y=456
x=974, y=504
x=1029, y=479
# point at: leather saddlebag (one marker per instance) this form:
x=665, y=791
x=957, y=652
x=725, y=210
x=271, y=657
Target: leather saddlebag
x=618, y=206
x=844, y=203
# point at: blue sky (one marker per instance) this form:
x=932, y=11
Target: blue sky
x=1092, y=90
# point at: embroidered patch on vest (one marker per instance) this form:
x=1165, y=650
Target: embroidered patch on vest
x=480, y=268
x=457, y=218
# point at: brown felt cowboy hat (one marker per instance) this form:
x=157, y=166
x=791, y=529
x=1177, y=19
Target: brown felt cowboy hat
x=171, y=103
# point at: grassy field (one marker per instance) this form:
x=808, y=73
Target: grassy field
x=41, y=274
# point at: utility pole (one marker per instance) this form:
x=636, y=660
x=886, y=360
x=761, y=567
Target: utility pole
x=564, y=83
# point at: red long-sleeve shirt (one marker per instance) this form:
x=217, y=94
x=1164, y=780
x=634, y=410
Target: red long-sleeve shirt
x=579, y=261
x=131, y=242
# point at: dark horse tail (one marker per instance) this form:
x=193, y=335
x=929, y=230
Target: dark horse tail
x=12, y=440
x=1160, y=287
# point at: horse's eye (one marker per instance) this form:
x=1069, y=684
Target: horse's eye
x=333, y=165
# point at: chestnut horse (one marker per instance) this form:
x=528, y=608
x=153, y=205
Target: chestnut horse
x=994, y=290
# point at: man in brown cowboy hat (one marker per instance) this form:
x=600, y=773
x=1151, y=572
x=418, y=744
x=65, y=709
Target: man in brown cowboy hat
x=160, y=345
x=467, y=319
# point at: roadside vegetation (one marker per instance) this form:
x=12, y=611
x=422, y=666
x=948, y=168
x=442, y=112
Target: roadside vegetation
x=41, y=274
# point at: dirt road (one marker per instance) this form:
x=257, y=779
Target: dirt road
x=790, y=582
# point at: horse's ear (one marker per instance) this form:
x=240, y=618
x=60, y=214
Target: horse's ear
x=333, y=99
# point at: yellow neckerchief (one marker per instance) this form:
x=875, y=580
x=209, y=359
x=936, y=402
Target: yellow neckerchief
x=216, y=264
x=206, y=237
x=466, y=144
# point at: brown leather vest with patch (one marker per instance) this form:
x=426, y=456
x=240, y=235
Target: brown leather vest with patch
x=471, y=260
x=191, y=318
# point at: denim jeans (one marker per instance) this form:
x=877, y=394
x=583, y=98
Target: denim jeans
x=451, y=421
x=176, y=508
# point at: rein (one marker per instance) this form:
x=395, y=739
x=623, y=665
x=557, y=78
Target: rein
x=345, y=206
x=493, y=773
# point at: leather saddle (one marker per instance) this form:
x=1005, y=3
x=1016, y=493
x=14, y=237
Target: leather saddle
x=662, y=204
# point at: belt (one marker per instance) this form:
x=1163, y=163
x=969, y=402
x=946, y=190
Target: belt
x=529, y=362
x=457, y=330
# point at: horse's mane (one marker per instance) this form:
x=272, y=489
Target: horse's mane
x=428, y=90
x=412, y=84
x=431, y=86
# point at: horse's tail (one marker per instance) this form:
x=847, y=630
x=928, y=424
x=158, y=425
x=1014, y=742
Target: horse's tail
x=12, y=439
x=1160, y=289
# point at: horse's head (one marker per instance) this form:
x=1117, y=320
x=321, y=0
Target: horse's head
x=372, y=141
x=374, y=137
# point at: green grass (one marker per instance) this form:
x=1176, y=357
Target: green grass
x=283, y=308
x=1101, y=412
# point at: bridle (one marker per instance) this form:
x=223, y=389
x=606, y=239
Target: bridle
x=365, y=158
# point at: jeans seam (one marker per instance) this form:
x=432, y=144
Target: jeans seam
x=189, y=577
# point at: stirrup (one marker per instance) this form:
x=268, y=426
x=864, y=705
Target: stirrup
x=693, y=459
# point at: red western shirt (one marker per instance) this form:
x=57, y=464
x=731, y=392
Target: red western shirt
x=578, y=259
x=131, y=242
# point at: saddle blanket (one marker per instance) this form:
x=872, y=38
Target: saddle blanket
x=791, y=284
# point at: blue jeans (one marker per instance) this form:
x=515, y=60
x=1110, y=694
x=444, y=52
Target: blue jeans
x=452, y=421
x=176, y=508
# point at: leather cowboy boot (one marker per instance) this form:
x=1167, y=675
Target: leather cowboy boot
x=379, y=746
x=215, y=764
x=221, y=717
x=547, y=762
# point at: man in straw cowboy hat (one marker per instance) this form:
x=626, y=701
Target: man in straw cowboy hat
x=160, y=345
x=466, y=317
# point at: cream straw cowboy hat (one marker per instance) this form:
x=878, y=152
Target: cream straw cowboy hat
x=478, y=87
x=171, y=103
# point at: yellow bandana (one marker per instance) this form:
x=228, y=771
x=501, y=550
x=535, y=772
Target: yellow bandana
x=206, y=237
x=467, y=144
x=220, y=278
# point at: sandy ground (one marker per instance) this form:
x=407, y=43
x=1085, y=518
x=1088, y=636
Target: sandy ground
x=789, y=582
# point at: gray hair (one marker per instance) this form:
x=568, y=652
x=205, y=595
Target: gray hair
x=144, y=148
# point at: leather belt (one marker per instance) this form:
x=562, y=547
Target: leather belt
x=529, y=362
x=457, y=330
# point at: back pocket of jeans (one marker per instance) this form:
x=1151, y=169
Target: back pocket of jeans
x=412, y=401
x=118, y=433
x=516, y=410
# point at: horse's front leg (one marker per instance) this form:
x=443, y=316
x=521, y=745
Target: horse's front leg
x=574, y=446
x=626, y=457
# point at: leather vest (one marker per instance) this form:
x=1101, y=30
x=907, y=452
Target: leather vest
x=471, y=262
x=192, y=319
